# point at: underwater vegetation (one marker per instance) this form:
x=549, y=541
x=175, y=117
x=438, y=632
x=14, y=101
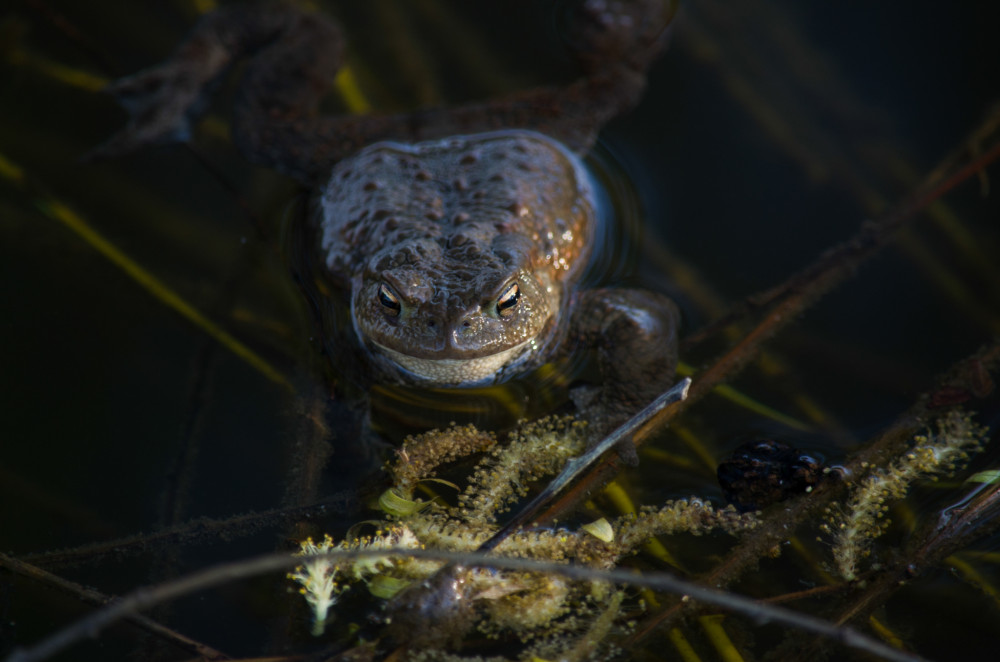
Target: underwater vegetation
x=814, y=185
x=856, y=523
x=562, y=619
x=535, y=606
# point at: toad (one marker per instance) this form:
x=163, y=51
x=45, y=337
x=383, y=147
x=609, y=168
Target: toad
x=455, y=236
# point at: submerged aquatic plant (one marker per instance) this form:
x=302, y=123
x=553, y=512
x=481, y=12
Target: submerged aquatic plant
x=318, y=575
x=862, y=519
x=552, y=612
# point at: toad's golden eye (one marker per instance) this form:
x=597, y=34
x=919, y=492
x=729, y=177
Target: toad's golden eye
x=507, y=300
x=388, y=299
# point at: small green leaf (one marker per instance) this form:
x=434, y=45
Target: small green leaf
x=600, y=529
x=385, y=587
x=988, y=476
x=394, y=504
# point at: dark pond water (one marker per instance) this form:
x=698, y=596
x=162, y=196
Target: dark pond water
x=770, y=132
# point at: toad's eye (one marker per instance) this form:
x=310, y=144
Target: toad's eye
x=388, y=299
x=507, y=300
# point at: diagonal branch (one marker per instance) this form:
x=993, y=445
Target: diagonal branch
x=202, y=529
x=96, y=598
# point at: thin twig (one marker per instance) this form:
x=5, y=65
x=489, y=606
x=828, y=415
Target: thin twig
x=231, y=189
x=193, y=531
x=310, y=449
x=222, y=574
x=804, y=594
x=98, y=599
x=577, y=465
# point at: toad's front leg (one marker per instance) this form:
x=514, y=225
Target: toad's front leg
x=634, y=334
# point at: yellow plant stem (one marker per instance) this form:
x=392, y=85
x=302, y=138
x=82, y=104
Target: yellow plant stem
x=684, y=648
x=154, y=286
x=743, y=400
x=720, y=640
x=692, y=441
x=974, y=577
x=887, y=635
x=350, y=92
x=69, y=218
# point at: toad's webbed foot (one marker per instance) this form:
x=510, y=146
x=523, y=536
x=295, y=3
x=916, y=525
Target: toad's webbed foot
x=634, y=333
x=296, y=54
x=161, y=103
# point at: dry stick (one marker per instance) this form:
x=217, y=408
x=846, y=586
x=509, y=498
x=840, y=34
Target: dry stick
x=777, y=528
x=98, y=599
x=178, y=477
x=231, y=189
x=578, y=465
x=800, y=292
x=192, y=531
x=805, y=594
x=310, y=451
x=179, y=474
x=228, y=572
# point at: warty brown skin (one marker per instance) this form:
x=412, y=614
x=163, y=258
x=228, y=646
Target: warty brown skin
x=450, y=228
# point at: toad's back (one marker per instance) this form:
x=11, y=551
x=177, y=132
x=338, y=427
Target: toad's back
x=462, y=199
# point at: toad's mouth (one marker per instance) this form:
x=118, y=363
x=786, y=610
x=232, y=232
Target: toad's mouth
x=458, y=372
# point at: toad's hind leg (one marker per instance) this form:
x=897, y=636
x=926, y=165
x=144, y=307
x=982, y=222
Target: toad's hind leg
x=296, y=55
